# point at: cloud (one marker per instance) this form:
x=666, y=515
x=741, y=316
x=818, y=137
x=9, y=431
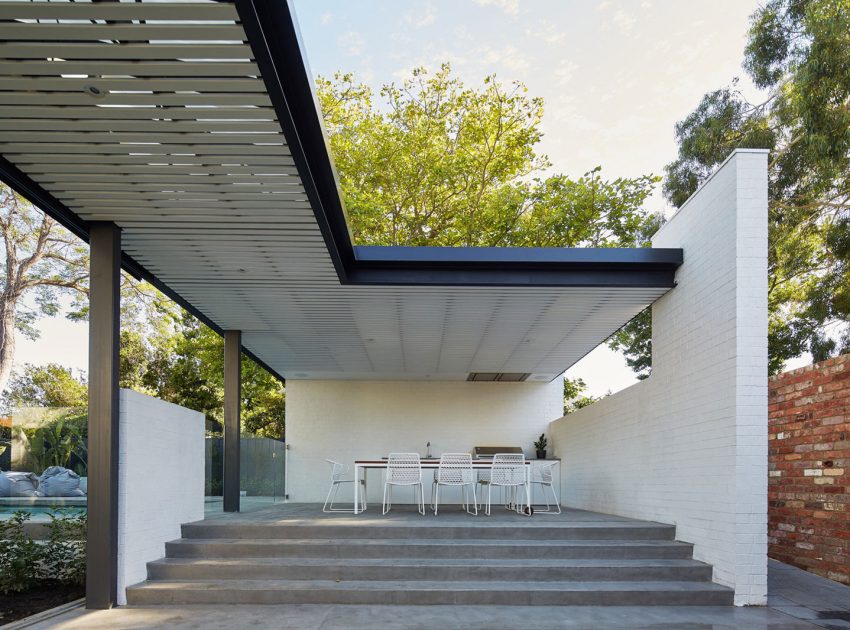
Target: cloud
x=548, y=34
x=352, y=43
x=428, y=17
x=327, y=16
x=511, y=7
x=508, y=56
x=624, y=21
x=565, y=71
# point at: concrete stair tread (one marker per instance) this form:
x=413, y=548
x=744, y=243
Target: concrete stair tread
x=399, y=585
x=478, y=522
x=436, y=562
x=466, y=542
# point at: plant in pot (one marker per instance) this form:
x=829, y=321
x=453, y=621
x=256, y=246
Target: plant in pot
x=540, y=446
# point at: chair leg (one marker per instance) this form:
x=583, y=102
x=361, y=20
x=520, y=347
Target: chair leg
x=422, y=498
x=328, y=498
x=436, y=501
x=489, y=497
x=384, y=509
x=555, y=496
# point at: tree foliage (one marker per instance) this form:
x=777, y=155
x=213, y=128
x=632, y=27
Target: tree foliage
x=49, y=385
x=574, y=396
x=182, y=364
x=438, y=163
x=799, y=52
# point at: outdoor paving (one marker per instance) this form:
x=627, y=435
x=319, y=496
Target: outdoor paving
x=807, y=596
x=429, y=617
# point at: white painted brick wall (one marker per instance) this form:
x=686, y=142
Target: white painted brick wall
x=160, y=480
x=688, y=446
x=347, y=420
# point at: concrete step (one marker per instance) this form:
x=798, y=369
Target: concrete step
x=522, y=593
x=432, y=528
x=428, y=569
x=425, y=548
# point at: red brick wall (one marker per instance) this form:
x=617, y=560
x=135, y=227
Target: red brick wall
x=809, y=484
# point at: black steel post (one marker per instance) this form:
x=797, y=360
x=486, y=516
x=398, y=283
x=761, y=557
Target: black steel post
x=104, y=339
x=232, y=399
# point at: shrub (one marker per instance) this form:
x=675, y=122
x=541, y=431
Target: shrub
x=20, y=555
x=61, y=557
x=65, y=548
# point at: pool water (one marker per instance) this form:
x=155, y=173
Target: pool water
x=40, y=511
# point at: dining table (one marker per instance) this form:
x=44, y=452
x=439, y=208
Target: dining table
x=428, y=463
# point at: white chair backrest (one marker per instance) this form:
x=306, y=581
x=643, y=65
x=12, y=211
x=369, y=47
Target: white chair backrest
x=337, y=470
x=544, y=471
x=404, y=468
x=455, y=468
x=508, y=469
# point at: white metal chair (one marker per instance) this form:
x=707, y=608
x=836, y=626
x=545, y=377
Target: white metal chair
x=542, y=476
x=455, y=470
x=507, y=471
x=403, y=469
x=337, y=472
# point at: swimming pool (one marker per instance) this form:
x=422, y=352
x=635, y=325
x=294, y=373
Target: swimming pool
x=40, y=512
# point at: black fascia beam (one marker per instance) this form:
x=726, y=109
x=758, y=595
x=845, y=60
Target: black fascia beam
x=517, y=266
x=24, y=185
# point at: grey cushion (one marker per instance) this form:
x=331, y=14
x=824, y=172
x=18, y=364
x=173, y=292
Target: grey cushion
x=60, y=482
x=23, y=484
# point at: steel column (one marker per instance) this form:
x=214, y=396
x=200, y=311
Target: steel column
x=232, y=400
x=104, y=339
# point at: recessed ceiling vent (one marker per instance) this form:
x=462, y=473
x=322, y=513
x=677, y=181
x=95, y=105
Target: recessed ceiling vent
x=505, y=377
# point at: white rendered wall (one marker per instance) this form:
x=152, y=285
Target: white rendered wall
x=688, y=446
x=348, y=420
x=160, y=480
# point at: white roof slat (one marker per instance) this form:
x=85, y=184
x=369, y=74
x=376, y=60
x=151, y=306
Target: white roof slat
x=120, y=98
x=141, y=172
x=96, y=179
x=95, y=137
x=115, y=69
x=104, y=50
x=75, y=84
x=117, y=11
x=155, y=126
x=44, y=162
x=224, y=151
x=141, y=113
x=184, y=32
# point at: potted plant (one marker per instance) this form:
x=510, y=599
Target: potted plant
x=540, y=446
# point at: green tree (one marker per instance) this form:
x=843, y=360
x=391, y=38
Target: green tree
x=574, y=396
x=48, y=385
x=798, y=51
x=442, y=164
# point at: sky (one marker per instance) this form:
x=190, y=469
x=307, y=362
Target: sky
x=615, y=77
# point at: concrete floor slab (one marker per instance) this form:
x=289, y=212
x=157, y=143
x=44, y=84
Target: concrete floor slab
x=307, y=617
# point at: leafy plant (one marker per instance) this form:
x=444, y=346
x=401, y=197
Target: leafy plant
x=541, y=443
x=25, y=562
x=57, y=442
x=64, y=553
x=20, y=555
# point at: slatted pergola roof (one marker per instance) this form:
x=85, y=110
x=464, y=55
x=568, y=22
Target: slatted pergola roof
x=193, y=127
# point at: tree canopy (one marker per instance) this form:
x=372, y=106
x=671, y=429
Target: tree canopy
x=798, y=51
x=182, y=364
x=436, y=162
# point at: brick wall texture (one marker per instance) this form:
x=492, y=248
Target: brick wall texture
x=809, y=468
